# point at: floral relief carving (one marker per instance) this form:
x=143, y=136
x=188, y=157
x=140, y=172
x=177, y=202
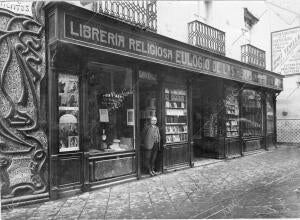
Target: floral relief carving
x=23, y=144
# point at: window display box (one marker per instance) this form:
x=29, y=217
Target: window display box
x=176, y=129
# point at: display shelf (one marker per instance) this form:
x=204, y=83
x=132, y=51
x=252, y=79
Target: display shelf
x=67, y=108
x=183, y=132
x=231, y=112
x=176, y=138
x=176, y=112
x=175, y=108
x=176, y=132
x=175, y=116
x=176, y=143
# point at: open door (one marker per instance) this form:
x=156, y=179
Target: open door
x=148, y=104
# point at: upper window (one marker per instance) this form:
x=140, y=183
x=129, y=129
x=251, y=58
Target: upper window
x=110, y=109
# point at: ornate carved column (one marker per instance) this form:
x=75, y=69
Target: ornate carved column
x=23, y=144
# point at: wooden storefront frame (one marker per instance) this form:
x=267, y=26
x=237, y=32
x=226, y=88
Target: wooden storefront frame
x=57, y=43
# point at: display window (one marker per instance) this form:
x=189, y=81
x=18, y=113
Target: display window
x=211, y=116
x=176, y=128
x=270, y=113
x=231, y=105
x=110, y=109
x=252, y=118
x=68, y=100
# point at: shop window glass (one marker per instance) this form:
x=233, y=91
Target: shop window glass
x=176, y=116
x=231, y=105
x=110, y=109
x=270, y=113
x=251, y=120
x=211, y=120
x=68, y=99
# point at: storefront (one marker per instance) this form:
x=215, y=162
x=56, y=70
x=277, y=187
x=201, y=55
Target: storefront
x=107, y=78
x=236, y=119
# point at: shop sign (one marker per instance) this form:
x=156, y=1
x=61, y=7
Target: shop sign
x=103, y=35
x=278, y=83
x=147, y=75
x=262, y=79
x=114, y=100
x=247, y=75
x=254, y=76
x=236, y=72
x=285, y=51
x=270, y=80
x=221, y=68
x=20, y=7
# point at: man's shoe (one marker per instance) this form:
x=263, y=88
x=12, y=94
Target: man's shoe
x=151, y=172
x=155, y=173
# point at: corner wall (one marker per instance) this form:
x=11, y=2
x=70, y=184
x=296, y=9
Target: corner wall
x=23, y=142
x=288, y=111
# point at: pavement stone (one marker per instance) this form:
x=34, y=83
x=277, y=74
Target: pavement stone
x=263, y=185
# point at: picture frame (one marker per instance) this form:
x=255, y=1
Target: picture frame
x=68, y=90
x=72, y=145
x=73, y=142
x=130, y=117
x=103, y=115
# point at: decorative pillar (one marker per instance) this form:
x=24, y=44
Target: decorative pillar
x=23, y=142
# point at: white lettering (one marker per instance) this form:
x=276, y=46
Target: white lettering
x=111, y=38
x=138, y=46
x=86, y=32
x=95, y=34
x=121, y=41
x=159, y=51
x=178, y=57
x=72, y=29
x=131, y=44
x=152, y=49
x=103, y=36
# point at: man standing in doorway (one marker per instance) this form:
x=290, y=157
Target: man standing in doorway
x=152, y=142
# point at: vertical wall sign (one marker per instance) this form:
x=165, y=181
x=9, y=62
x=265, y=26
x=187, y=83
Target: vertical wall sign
x=23, y=144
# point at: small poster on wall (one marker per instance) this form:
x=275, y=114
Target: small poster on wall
x=130, y=117
x=103, y=115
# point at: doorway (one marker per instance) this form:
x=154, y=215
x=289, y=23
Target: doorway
x=206, y=113
x=149, y=107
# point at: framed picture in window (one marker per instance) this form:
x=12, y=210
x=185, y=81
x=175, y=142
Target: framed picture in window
x=73, y=143
x=103, y=115
x=68, y=90
x=68, y=127
x=130, y=117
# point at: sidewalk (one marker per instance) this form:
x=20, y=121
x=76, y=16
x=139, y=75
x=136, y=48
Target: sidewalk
x=218, y=190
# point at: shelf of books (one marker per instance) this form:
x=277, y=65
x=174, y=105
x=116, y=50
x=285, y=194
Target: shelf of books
x=231, y=105
x=176, y=128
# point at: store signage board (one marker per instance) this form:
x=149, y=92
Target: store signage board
x=107, y=37
x=18, y=7
x=286, y=51
x=147, y=75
